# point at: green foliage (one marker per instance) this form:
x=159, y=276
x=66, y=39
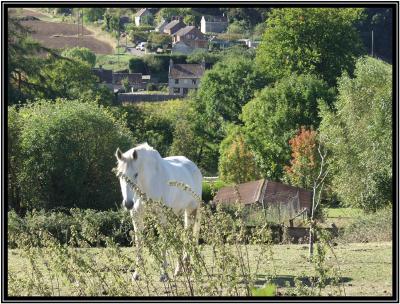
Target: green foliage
x=229, y=85
x=239, y=27
x=69, y=145
x=160, y=40
x=78, y=227
x=210, y=189
x=276, y=113
x=136, y=65
x=322, y=41
x=92, y=14
x=268, y=290
x=199, y=55
x=236, y=163
x=80, y=53
x=359, y=135
x=374, y=227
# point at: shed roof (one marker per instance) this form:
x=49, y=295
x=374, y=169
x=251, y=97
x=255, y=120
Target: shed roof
x=247, y=193
x=186, y=71
x=271, y=192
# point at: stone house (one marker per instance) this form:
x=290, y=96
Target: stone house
x=183, y=78
x=144, y=16
x=213, y=24
x=191, y=36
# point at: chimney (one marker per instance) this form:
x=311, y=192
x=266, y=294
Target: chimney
x=180, y=18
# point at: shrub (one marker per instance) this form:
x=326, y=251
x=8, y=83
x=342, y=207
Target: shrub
x=136, y=65
x=373, y=227
x=67, y=151
x=82, y=54
x=210, y=189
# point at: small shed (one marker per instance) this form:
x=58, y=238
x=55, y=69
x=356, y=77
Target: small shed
x=284, y=200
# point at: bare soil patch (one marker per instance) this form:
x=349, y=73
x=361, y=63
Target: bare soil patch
x=63, y=35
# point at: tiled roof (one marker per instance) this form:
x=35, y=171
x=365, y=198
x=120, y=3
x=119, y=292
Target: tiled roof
x=185, y=30
x=172, y=24
x=132, y=77
x=186, y=71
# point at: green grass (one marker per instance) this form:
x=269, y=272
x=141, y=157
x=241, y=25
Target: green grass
x=343, y=212
x=113, y=62
x=365, y=268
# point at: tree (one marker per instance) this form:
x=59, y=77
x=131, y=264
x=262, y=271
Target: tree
x=359, y=135
x=67, y=151
x=24, y=63
x=229, y=85
x=304, y=162
x=80, y=53
x=236, y=163
x=276, y=113
x=92, y=14
x=322, y=41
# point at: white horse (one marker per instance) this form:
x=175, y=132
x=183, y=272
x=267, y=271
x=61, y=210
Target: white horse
x=152, y=174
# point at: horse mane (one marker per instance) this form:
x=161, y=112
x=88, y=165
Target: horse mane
x=146, y=147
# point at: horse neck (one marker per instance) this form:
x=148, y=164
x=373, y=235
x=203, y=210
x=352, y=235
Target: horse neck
x=152, y=173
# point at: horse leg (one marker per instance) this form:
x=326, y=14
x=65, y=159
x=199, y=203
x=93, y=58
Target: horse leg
x=138, y=227
x=189, y=221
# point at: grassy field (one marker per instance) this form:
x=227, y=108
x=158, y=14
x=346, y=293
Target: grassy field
x=365, y=268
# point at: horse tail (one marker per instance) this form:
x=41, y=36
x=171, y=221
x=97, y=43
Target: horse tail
x=197, y=223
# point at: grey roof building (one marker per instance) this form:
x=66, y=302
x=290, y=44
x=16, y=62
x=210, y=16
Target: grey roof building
x=183, y=78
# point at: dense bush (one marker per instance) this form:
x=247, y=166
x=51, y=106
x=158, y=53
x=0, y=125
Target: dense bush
x=82, y=54
x=65, y=154
x=210, y=189
x=77, y=227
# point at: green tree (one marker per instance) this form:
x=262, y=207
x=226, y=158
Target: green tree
x=323, y=41
x=91, y=14
x=229, y=85
x=236, y=162
x=67, y=151
x=359, y=135
x=276, y=113
x=24, y=63
x=80, y=53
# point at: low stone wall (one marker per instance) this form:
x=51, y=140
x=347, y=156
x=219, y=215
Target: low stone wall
x=129, y=98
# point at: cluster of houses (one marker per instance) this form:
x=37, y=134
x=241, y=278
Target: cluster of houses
x=182, y=78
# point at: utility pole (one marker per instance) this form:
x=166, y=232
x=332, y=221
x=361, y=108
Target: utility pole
x=372, y=43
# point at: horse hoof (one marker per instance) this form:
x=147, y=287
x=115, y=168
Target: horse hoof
x=135, y=276
x=164, y=277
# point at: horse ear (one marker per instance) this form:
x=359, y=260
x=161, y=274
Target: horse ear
x=118, y=154
x=134, y=155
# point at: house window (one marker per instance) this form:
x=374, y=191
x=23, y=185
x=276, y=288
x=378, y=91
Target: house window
x=185, y=91
x=176, y=90
x=176, y=81
x=193, y=81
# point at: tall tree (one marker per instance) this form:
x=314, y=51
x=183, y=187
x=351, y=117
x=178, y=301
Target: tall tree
x=359, y=136
x=322, y=41
x=276, y=113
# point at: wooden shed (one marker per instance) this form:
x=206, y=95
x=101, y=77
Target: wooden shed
x=284, y=200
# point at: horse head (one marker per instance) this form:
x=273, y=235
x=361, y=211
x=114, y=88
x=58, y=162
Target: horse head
x=128, y=165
